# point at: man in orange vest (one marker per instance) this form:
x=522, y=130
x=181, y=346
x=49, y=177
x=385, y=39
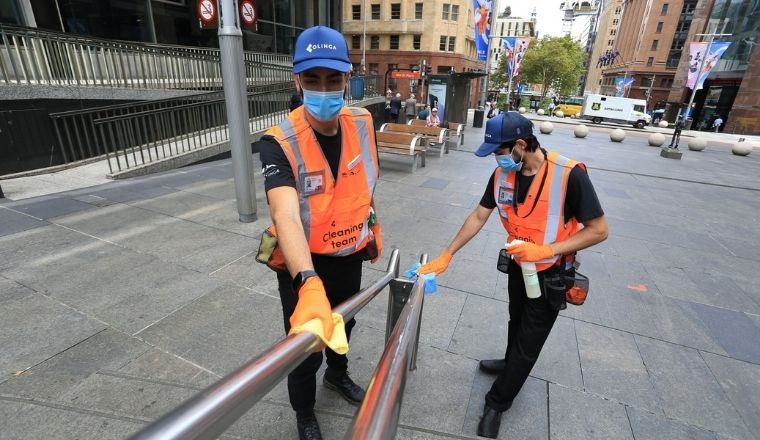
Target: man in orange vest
x=542, y=199
x=320, y=168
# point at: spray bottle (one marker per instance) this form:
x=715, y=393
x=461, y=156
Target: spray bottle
x=530, y=275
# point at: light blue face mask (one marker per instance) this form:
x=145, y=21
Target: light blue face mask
x=507, y=163
x=323, y=106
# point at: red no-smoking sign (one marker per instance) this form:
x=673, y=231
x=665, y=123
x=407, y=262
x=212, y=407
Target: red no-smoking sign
x=247, y=13
x=207, y=14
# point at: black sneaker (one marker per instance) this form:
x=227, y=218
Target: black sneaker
x=308, y=427
x=340, y=382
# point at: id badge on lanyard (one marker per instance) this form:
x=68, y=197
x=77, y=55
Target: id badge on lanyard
x=506, y=195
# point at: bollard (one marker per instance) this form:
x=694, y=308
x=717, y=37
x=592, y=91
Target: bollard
x=741, y=148
x=559, y=114
x=697, y=144
x=546, y=127
x=617, y=135
x=580, y=131
x=663, y=124
x=540, y=112
x=656, y=139
x=521, y=110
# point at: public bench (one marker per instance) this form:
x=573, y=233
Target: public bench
x=455, y=134
x=405, y=144
x=435, y=136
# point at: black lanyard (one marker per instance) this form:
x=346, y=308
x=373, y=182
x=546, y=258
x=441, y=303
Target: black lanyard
x=545, y=166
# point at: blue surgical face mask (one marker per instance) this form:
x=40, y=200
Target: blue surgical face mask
x=507, y=163
x=323, y=106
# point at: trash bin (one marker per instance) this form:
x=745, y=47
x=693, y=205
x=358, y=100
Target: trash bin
x=357, y=87
x=477, y=120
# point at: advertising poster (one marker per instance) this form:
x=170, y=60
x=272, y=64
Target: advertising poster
x=521, y=46
x=482, y=27
x=696, y=54
x=437, y=96
x=622, y=85
x=514, y=52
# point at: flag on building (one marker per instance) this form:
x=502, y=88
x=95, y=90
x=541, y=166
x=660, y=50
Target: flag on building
x=482, y=26
x=696, y=56
x=622, y=85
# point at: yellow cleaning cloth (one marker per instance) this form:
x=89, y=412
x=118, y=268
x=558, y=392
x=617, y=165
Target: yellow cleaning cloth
x=338, y=343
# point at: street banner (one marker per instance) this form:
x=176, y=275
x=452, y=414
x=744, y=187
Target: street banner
x=514, y=52
x=482, y=27
x=696, y=54
x=622, y=85
x=521, y=47
x=437, y=95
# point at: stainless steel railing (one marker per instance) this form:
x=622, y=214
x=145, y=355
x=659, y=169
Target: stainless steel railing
x=211, y=412
x=33, y=56
x=133, y=134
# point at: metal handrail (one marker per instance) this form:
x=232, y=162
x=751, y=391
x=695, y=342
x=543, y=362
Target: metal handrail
x=378, y=414
x=212, y=411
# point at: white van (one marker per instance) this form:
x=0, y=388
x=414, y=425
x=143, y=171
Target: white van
x=598, y=108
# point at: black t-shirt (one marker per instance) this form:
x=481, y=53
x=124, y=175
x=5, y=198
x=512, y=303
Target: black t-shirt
x=581, y=201
x=276, y=168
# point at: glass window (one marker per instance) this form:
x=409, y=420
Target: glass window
x=394, y=42
x=664, y=9
x=452, y=43
x=374, y=69
x=442, y=45
x=454, y=12
x=285, y=39
x=376, y=12
x=654, y=44
x=261, y=41
x=650, y=61
x=396, y=11
x=356, y=12
x=374, y=42
x=659, y=27
x=8, y=13
x=416, y=42
x=418, y=11
x=283, y=12
x=445, y=14
x=265, y=10
x=303, y=12
x=356, y=42
x=444, y=69
x=114, y=19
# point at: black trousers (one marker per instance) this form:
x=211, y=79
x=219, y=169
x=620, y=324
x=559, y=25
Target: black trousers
x=342, y=277
x=530, y=322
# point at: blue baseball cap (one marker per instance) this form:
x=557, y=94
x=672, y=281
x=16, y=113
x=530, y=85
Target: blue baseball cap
x=321, y=46
x=505, y=127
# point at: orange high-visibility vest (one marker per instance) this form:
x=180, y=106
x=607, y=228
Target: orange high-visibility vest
x=334, y=215
x=540, y=218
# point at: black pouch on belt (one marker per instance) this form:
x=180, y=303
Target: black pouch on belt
x=554, y=289
x=502, y=264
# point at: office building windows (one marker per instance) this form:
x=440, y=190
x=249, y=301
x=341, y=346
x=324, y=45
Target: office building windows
x=418, y=11
x=356, y=12
x=376, y=12
x=650, y=61
x=442, y=45
x=664, y=9
x=445, y=13
x=454, y=12
x=356, y=41
x=659, y=27
x=396, y=11
x=654, y=44
x=394, y=42
x=374, y=42
x=452, y=43
x=416, y=42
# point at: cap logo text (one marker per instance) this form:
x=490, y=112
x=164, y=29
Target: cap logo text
x=311, y=47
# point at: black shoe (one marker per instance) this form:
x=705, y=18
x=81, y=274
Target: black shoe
x=346, y=387
x=308, y=428
x=490, y=422
x=493, y=366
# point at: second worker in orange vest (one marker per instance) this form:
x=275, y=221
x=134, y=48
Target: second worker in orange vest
x=320, y=168
x=542, y=199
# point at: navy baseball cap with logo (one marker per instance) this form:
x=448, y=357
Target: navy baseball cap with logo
x=321, y=46
x=505, y=127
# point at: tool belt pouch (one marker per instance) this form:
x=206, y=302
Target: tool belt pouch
x=369, y=252
x=577, y=286
x=555, y=291
x=502, y=264
x=269, y=253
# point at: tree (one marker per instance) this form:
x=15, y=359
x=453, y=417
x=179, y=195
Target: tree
x=555, y=63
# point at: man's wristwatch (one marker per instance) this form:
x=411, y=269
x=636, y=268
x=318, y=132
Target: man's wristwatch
x=301, y=278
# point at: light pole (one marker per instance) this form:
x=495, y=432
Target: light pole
x=699, y=73
x=483, y=93
x=364, y=37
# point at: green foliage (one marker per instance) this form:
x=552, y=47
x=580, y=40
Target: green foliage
x=555, y=63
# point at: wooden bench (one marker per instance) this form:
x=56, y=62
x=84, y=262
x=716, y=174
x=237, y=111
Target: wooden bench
x=405, y=144
x=433, y=135
x=455, y=134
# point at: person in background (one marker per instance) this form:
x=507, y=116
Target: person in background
x=424, y=113
x=410, y=108
x=395, y=107
x=388, y=97
x=493, y=110
x=432, y=119
x=717, y=123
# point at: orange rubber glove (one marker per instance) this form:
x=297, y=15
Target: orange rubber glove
x=438, y=265
x=378, y=241
x=531, y=252
x=313, y=303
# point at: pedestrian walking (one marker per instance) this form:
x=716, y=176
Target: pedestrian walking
x=717, y=123
x=395, y=107
x=410, y=108
x=320, y=168
x=542, y=199
x=493, y=110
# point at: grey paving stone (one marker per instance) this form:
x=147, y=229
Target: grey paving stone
x=35, y=328
x=272, y=421
x=721, y=290
x=159, y=365
x=618, y=193
x=52, y=207
x=483, y=320
x=648, y=426
x=734, y=331
x=222, y=190
x=12, y=222
x=577, y=415
x=526, y=419
x=559, y=361
x=440, y=315
x=37, y=422
x=435, y=183
x=741, y=383
x=612, y=367
x=108, y=349
x=688, y=390
x=95, y=200
x=473, y=274
x=221, y=330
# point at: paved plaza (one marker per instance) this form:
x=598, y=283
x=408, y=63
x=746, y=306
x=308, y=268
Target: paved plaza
x=120, y=301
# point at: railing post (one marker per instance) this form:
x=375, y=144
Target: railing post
x=413, y=363
x=398, y=295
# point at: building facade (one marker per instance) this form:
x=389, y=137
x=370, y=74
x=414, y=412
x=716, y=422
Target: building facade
x=382, y=35
x=606, y=36
x=173, y=22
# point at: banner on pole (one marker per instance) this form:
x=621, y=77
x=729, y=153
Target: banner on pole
x=514, y=52
x=696, y=54
x=622, y=85
x=482, y=26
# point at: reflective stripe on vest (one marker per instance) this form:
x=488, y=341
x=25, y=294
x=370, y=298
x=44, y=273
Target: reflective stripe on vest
x=335, y=219
x=552, y=227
